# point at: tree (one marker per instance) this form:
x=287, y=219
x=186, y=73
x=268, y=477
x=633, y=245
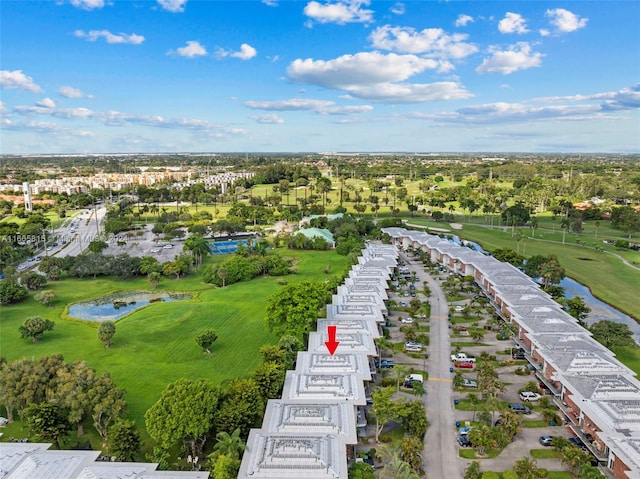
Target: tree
x=97, y=246
x=45, y=297
x=612, y=335
x=124, y=440
x=154, y=278
x=11, y=292
x=35, y=327
x=361, y=470
x=226, y=467
x=383, y=408
x=396, y=468
x=230, y=445
x=222, y=274
x=184, y=413
x=106, y=332
x=269, y=378
x=206, y=339
x=198, y=247
x=577, y=308
x=241, y=407
x=473, y=471
x=527, y=468
x=294, y=309
x=33, y=281
x=149, y=264
x=410, y=451
x=508, y=255
x=412, y=417
x=47, y=421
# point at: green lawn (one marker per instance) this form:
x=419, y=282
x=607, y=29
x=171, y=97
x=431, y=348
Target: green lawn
x=156, y=345
x=546, y=453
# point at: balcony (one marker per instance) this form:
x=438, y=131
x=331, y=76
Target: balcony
x=549, y=384
x=599, y=455
x=572, y=415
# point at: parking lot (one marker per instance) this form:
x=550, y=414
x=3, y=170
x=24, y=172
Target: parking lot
x=144, y=243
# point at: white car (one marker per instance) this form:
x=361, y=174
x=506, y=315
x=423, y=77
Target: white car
x=168, y=246
x=155, y=250
x=458, y=309
x=526, y=396
x=413, y=347
x=407, y=320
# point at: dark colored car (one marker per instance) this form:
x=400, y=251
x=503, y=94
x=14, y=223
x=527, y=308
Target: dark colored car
x=519, y=408
x=464, y=441
x=385, y=363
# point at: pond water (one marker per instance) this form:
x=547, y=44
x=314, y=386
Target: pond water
x=115, y=306
x=469, y=244
x=600, y=311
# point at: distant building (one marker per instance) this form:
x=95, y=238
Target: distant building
x=28, y=206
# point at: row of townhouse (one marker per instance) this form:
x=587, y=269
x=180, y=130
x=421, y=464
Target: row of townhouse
x=312, y=431
x=599, y=396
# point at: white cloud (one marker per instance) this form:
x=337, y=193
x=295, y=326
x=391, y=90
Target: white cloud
x=517, y=57
x=340, y=12
x=410, y=92
x=93, y=35
x=565, y=21
x=70, y=92
x=375, y=76
x=246, y=52
x=270, y=119
x=463, y=20
x=87, y=4
x=174, y=6
x=544, y=32
x=398, y=8
x=323, y=107
x=361, y=68
x=513, y=23
x=270, y=3
x=16, y=79
x=114, y=118
x=193, y=49
x=433, y=42
x=46, y=103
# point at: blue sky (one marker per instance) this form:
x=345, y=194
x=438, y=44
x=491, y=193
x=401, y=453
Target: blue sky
x=247, y=76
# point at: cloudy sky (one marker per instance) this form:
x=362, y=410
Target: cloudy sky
x=343, y=75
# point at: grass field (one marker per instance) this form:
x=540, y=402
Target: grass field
x=156, y=345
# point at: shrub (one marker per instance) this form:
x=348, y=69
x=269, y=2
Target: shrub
x=509, y=475
x=490, y=475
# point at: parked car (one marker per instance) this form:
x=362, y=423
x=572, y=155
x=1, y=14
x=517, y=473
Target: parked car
x=528, y=396
x=546, y=440
x=468, y=383
x=414, y=347
x=458, y=309
x=464, y=365
x=463, y=431
x=519, y=408
x=408, y=320
x=464, y=441
x=385, y=363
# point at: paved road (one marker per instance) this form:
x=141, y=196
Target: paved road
x=440, y=452
x=85, y=232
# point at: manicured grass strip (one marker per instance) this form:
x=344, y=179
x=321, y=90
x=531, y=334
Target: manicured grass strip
x=471, y=454
x=547, y=453
x=535, y=423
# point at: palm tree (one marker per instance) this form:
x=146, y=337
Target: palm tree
x=198, y=247
x=229, y=444
x=398, y=469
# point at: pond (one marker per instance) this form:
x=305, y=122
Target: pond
x=599, y=310
x=115, y=306
x=469, y=244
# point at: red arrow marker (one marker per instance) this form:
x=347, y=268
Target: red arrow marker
x=332, y=344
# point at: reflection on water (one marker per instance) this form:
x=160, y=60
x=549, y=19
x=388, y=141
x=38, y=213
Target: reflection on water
x=599, y=311
x=115, y=306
